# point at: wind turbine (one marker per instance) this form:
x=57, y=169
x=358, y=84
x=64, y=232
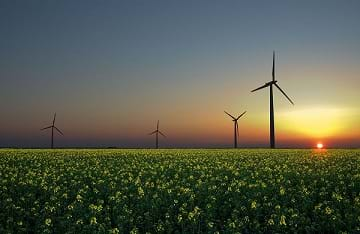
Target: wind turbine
x=236, y=127
x=52, y=131
x=270, y=84
x=157, y=132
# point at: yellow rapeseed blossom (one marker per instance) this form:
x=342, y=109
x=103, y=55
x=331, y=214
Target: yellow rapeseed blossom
x=270, y=222
x=93, y=220
x=114, y=231
x=186, y=190
x=283, y=220
x=328, y=210
x=282, y=191
x=253, y=205
x=47, y=222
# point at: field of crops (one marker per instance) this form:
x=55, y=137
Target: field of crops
x=179, y=191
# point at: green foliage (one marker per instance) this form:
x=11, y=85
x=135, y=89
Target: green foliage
x=179, y=191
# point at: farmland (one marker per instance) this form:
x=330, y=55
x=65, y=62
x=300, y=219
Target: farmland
x=179, y=191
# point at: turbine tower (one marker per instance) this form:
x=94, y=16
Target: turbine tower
x=270, y=84
x=236, y=127
x=157, y=132
x=52, y=131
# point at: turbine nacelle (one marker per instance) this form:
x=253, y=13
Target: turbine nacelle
x=272, y=82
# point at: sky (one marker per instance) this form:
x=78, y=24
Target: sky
x=111, y=69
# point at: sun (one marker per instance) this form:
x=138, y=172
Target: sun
x=319, y=145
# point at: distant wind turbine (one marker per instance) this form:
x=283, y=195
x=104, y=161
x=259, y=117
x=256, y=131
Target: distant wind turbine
x=270, y=84
x=236, y=127
x=52, y=131
x=157, y=132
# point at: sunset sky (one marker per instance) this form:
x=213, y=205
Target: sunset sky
x=111, y=69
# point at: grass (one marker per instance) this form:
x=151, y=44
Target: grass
x=179, y=191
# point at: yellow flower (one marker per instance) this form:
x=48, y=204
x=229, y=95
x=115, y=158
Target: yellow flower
x=48, y=222
x=134, y=231
x=232, y=225
x=328, y=210
x=282, y=191
x=140, y=192
x=114, y=231
x=93, y=220
x=282, y=220
x=179, y=218
x=78, y=197
x=79, y=221
x=160, y=227
x=270, y=222
x=253, y=205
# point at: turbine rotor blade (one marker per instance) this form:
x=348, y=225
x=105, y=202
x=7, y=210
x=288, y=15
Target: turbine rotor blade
x=54, y=119
x=230, y=115
x=241, y=115
x=157, y=126
x=46, y=128
x=261, y=87
x=273, y=68
x=59, y=131
x=152, y=132
x=284, y=93
x=162, y=134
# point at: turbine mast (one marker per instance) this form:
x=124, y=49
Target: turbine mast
x=272, y=124
x=52, y=137
x=157, y=139
x=235, y=134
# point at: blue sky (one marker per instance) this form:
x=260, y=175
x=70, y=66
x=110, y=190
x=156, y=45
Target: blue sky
x=111, y=69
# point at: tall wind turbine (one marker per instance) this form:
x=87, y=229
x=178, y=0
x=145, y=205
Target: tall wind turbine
x=52, y=131
x=270, y=84
x=157, y=132
x=236, y=127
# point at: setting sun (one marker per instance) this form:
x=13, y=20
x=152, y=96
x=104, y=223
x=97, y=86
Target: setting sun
x=319, y=145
